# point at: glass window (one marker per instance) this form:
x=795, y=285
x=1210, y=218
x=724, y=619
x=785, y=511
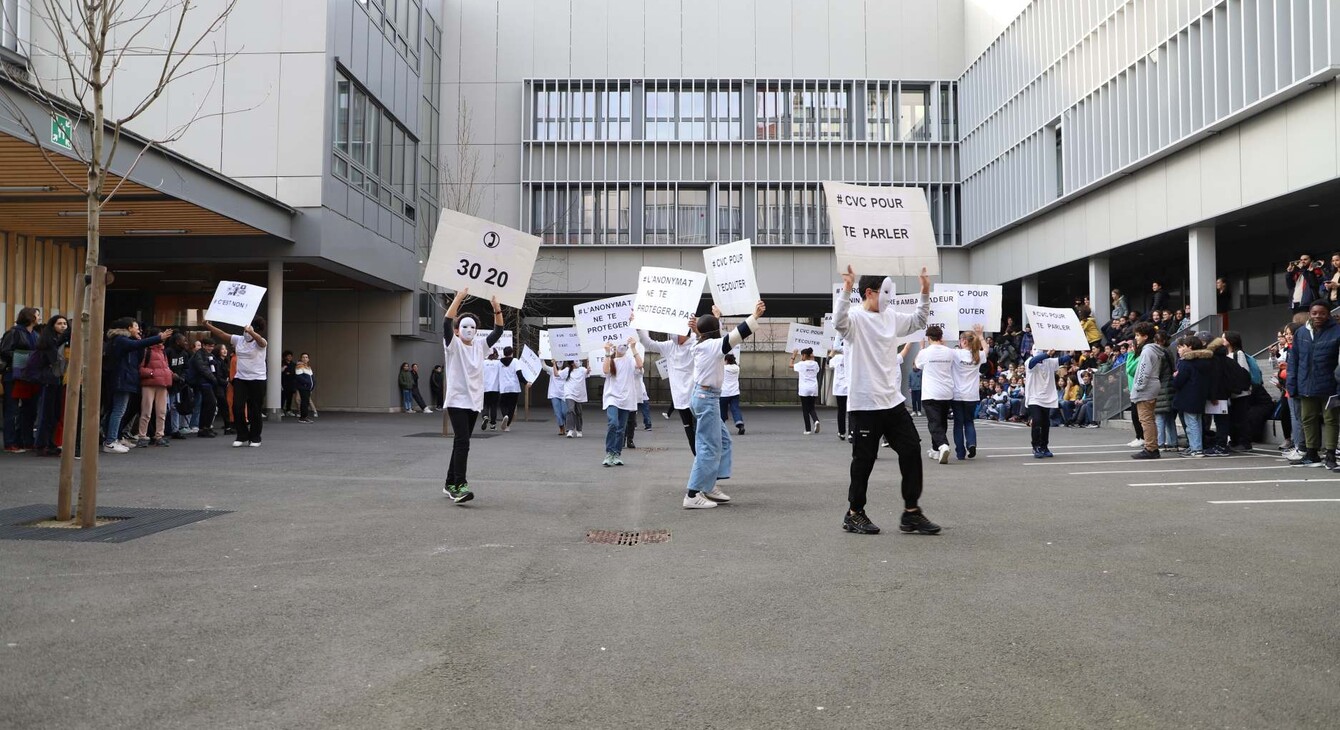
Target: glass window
x=342, y=115
x=771, y=221
x=617, y=114
x=879, y=113
x=832, y=113
x=692, y=114
x=730, y=218
x=583, y=120
x=913, y=113
x=725, y=114
x=948, y=129
x=386, y=152
x=358, y=133
x=691, y=222
x=660, y=115
x=616, y=217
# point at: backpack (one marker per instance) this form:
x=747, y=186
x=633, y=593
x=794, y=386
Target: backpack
x=1236, y=376
x=1254, y=369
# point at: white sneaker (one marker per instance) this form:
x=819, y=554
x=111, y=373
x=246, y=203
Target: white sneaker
x=254, y=444
x=1293, y=454
x=698, y=501
x=428, y=410
x=570, y=433
x=932, y=454
x=1135, y=442
x=507, y=424
x=944, y=454
x=716, y=495
x=239, y=444
x=665, y=415
x=114, y=448
x=807, y=433
x=816, y=426
x=579, y=434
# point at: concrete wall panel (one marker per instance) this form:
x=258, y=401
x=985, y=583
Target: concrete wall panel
x=847, y=39
x=809, y=38
x=1311, y=125
x=702, y=39
x=736, y=38
x=516, y=41
x=627, y=57
x=1265, y=159
x=773, y=50
x=478, y=48
x=552, y=23
x=662, y=34
x=590, y=28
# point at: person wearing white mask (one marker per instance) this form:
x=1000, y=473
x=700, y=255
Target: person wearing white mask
x=730, y=394
x=712, y=454
x=575, y=393
x=620, y=395
x=465, y=352
x=492, y=393
x=937, y=389
x=509, y=387
x=558, y=394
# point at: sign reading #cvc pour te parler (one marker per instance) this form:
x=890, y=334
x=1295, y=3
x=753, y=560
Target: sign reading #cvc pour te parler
x=881, y=230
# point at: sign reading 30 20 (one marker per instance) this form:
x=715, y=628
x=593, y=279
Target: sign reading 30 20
x=489, y=259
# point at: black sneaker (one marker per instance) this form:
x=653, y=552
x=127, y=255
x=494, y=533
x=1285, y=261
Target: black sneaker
x=858, y=523
x=740, y=426
x=917, y=522
x=1329, y=462
x=1145, y=454
x=1310, y=458
x=972, y=451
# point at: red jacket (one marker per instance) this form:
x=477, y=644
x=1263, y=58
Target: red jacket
x=154, y=368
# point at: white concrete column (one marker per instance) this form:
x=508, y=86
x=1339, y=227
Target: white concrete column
x=1201, y=256
x=1100, y=288
x=1028, y=295
x=274, y=336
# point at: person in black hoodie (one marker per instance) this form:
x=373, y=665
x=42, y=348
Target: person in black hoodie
x=414, y=392
x=124, y=350
x=1221, y=392
x=46, y=367
x=203, y=376
x=288, y=380
x=181, y=397
x=1191, y=389
x=436, y=386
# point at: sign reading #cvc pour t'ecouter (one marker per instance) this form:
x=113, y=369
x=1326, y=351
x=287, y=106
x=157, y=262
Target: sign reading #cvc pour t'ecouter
x=881, y=230
x=489, y=259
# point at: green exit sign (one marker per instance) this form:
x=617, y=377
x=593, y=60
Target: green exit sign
x=62, y=131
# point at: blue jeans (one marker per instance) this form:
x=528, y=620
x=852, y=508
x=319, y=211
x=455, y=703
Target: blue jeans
x=406, y=400
x=616, y=421
x=1192, y=423
x=119, y=403
x=1296, y=423
x=1068, y=408
x=1167, y=425
x=560, y=409
x=730, y=405
x=711, y=441
x=645, y=409
x=965, y=431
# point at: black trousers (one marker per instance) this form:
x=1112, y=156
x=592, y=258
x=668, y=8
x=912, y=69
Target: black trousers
x=507, y=401
x=842, y=413
x=248, y=404
x=1239, y=421
x=286, y=399
x=418, y=398
x=305, y=398
x=690, y=429
x=491, y=398
x=462, y=428
x=208, y=407
x=632, y=429
x=807, y=410
x=937, y=421
x=1042, y=426
x=867, y=429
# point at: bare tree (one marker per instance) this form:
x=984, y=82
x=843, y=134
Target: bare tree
x=89, y=42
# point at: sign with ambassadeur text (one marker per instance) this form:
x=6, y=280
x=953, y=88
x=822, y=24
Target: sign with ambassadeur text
x=882, y=230
x=561, y=344
x=666, y=299
x=977, y=304
x=730, y=277
x=235, y=302
x=800, y=336
x=943, y=312
x=1055, y=329
x=605, y=320
x=531, y=365
x=489, y=259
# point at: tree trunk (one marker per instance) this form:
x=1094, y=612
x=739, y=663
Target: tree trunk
x=93, y=315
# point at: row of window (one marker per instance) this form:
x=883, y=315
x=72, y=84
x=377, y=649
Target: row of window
x=699, y=215
x=372, y=151
x=698, y=111
x=9, y=25
x=399, y=22
x=430, y=110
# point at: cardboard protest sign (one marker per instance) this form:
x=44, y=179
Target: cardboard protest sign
x=662, y=369
x=491, y=259
x=884, y=230
x=235, y=302
x=800, y=336
x=563, y=344
x=977, y=304
x=531, y=364
x=730, y=277
x=1055, y=329
x=503, y=342
x=830, y=329
x=854, y=297
x=666, y=299
x=944, y=312
x=605, y=320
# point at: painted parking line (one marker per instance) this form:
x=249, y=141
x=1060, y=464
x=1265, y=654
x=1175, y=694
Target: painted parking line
x=1063, y=446
x=1271, y=501
x=1133, y=462
x=1245, y=481
x=1190, y=469
x=1067, y=453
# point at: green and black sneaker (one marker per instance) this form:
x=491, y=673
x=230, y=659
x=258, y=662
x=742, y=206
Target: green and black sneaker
x=463, y=494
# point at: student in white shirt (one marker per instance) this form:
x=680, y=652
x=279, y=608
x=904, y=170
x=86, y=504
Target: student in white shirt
x=249, y=382
x=575, y=393
x=937, y=390
x=712, y=456
x=967, y=391
x=677, y=351
x=492, y=377
x=837, y=362
x=464, y=352
x=808, y=387
x=875, y=407
x=619, y=397
x=730, y=394
x=557, y=392
x=1041, y=397
x=509, y=387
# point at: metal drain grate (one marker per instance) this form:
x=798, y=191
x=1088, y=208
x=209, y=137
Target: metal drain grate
x=618, y=537
x=123, y=523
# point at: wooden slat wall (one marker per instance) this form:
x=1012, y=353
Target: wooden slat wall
x=37, y=272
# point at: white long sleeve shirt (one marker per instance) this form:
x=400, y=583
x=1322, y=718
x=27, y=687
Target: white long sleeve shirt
x=678, y=365
x=464, y=369
x=841, y=378
x=709, y=356
x=1040, y=384
x=872, y=352
x=731, y=385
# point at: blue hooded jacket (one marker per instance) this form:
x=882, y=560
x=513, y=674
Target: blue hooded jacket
x=1313, y=359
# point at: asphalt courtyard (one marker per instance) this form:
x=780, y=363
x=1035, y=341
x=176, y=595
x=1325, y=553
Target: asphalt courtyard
x=344, y=590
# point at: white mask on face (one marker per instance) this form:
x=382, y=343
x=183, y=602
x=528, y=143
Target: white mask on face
x=468, y=330
x=887, y=290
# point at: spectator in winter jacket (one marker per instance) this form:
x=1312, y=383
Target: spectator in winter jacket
x=405, y=380
x=203, y=376
x=124, y=350
x=436, y=386
x=304, y=381
x=180, y=395
x=46, y=368
x=1312, y=379
x=1191, y=388
x=155, y=380
x=287, y=382
x=1304, y=279
x=1145, y=387
x=16, y=347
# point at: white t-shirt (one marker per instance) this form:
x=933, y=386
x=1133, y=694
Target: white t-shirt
x=491, y=368
x=967, y=377
x=250, y=358
x=464, y=372
x=841, y=381
x=678, y=365
x=872, y=344
x=808, y=370
x=576, y=385
x=937, y=372
x=620, y=390
x=642, y=396
x=730, y=386
x=507, y=378
x=1040, y=384
x=557, y=386
x=709, y=363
